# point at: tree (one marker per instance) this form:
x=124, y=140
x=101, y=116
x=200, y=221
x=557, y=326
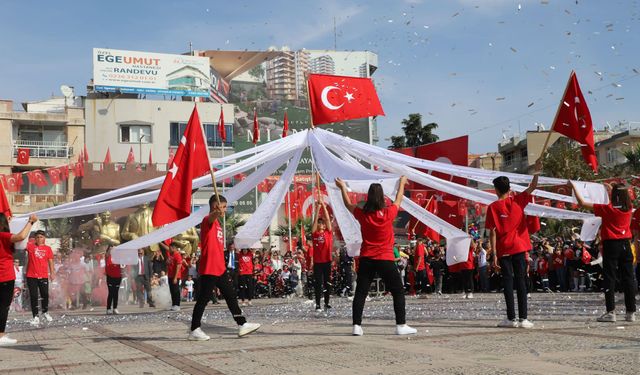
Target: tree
x=257, y=72
x=633, y=159
x=564, y=160
x=283, y=229
x=232, y=223
x=60, y=228
x=415, y=134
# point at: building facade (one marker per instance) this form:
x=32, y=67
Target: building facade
x=610, y=152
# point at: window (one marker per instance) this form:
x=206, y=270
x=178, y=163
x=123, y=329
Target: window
x=176, y=130
x=135, y=134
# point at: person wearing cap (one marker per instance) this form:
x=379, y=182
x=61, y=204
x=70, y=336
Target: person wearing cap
x=39, y=271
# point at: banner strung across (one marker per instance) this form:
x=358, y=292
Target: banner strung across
x=150, y=73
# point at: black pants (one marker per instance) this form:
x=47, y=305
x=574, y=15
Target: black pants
x=38, y=285
x=616, y=255
x=322, y=276
x=143, y=281
x=421, y=281
x=388, y=271
x=513, y=269
x=6, y=296
x=208, y=283
x=467, y=281
x=174, y=288
x=113, y=287
x=246, y=287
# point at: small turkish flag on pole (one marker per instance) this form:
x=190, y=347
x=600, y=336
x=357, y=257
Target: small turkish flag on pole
x=85, y=154
x=221, y=129
x=256, y=127
x=285, y=124
x=150, y=158
x=23, y=156
x=5, y=208
x=574, y=121
x=107, y=157
x=191, y=161
x=131, y=158
x=339, y=98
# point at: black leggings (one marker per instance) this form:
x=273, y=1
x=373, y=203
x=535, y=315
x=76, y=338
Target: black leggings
x=208, y=284
x=513, y=269
x=467, y=281
x=388, y=271
x=113, y=286
x=6, y=296
x=35, y=286
x=246, y=287
x=421, y=281
x=616, y=255
x=322, y=277
x=175, y=292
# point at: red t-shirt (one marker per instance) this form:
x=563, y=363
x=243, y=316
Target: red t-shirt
x=308, y=256
x=616, y=224
x=377, y=232
x=558, y=261
x=212, y=258
x=112, y=269
x=38, y=257
x=245, y=262
x=507, y=217
x=543, y=267
x=7, y=273
x=173, y=261
x=419, y=254
x=635, y=220
x=322, y=245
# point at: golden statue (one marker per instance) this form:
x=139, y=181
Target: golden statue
x=188, y=241
x=139, y=224
x=108, y=231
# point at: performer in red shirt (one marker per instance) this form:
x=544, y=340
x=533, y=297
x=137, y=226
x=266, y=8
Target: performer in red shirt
x=39, y=270
x=321, y=257
x=174, y=268
x=7, y=272
x=213, y=273
x=510, y=239
x=617, y=257
x=113, y=272
x=246, y=280
x=376, y=252
x=419, y=266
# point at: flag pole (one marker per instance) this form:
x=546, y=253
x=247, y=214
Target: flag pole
x=426, y=207
x=309, y=105
x=255, y=145
x=555, y=118
x=224, y=215
x=289, y=219
x=213, y=176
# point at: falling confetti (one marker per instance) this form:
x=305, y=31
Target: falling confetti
x=455, y=14
x=530, y=105
x=513, y=49
x=500, y=98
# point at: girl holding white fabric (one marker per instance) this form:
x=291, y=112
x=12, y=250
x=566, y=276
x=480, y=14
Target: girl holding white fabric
x=376, y=252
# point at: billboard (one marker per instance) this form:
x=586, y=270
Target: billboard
x=150, y=73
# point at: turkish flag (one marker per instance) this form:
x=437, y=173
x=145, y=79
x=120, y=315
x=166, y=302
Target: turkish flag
x=453, y=151
x=285, y=125
x=107, y=157
x=5, y=208
x=14, y=182
x=150, y=158
x=54, y=175
x=172, y=155
x=78, y=169
x=221, y=129
x=574, y=121
x=421, y=230
x=23, y=156
x=256, y=127
x=36, y=177
x=533, y=222
x=191, y=161
x=339, y=98
x=85, y=154
x=131, y=158
x=449, y=211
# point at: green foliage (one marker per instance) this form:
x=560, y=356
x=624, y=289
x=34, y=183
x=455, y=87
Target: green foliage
x=283, y=229
x=564, y=160
x=633, y=159
x=415, y=134
x=257, y=72
x=232, y=223
x=60, y=228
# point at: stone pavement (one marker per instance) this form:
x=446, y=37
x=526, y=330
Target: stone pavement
x=455, y=336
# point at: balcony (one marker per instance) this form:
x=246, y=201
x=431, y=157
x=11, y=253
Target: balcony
x=44, y=149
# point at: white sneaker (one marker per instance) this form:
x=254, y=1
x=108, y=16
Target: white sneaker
x=506, y=323
x=463, y=295
x=609, y=317
x=249, y=303
x=247, y=328
x=357, y=330
x=175, y=308
x=35, y=321
x=109, y=311
x=403, y=329
x=116, y=312
x=469, y=295
x=630, y=317
x=48, y=317
x=319, y=310
x=243, y=304
x=6, y=341
x=525, y=323
x=198, y=335
x=368, y=299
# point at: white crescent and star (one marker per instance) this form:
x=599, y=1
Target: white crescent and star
x=325, y=100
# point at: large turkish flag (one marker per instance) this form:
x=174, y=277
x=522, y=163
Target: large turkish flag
x=451, y=151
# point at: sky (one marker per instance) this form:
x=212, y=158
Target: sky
x=485, y=68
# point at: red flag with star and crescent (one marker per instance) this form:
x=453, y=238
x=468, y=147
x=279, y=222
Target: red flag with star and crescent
x=574, y=121
x=191, y=161
x=23, y=156
x=221, y=129
x=339, y=98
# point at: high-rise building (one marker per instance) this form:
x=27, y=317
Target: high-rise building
x=281, y=75
x=322, y=65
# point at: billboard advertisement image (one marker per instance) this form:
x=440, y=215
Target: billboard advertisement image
x=150, y=73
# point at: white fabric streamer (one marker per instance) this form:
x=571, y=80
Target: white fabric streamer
x=251, y=232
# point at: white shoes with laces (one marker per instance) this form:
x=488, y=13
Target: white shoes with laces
x=198, y=335
x=7, y=341
x=247, y=328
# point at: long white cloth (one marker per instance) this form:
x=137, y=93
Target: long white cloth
x=251, y=232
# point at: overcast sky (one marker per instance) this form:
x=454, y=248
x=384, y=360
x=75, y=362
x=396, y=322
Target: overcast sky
x=475, y=67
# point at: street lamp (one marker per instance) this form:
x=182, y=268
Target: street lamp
x=140, y=143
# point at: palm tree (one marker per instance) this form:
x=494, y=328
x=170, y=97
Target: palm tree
x=283, y=229
x=232, y=223
x=633, y=159
x=60, y=228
